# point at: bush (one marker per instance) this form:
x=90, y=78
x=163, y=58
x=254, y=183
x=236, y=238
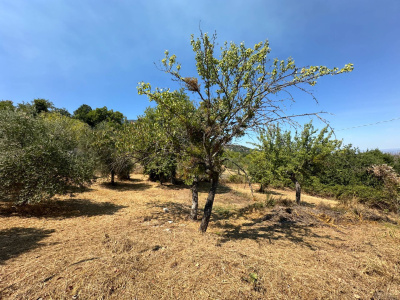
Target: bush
x=41, y=156
x=234, y=178
x=371, y=196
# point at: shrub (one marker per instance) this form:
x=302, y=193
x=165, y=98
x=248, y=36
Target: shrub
x=41, y=156
x=234, y=178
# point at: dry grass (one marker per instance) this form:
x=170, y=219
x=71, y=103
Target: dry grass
x=118, y=243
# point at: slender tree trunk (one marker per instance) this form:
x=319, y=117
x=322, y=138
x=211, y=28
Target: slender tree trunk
x=298, y=192
x=113, y=177
x=173, y=176
x=195, y=199
x=298, y=188
x=209, y=204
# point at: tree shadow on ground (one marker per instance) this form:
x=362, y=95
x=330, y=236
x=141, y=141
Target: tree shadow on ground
x=203, y=187
x=131, y=185
x=292, y=223
x=290, y=231
x=307, y=204
x=68, y=208
x=179, y=211
x=168, y=211
x=269, y=192
x=79, y=189
x=17, y=240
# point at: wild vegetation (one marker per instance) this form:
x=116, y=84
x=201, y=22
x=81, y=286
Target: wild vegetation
x=110, y=233
x=324, y=167
x=41, y=156
x=118, y=242
x=237, y=90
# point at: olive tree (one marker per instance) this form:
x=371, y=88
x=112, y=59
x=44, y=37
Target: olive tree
x=239, y=89
x=41, y=156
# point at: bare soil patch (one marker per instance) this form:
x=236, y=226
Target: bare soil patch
x=119, y=243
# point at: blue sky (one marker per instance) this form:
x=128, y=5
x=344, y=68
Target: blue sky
x=95, y=52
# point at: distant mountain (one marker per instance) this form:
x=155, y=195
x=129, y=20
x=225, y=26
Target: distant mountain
x=391, y=151
x=238, y=148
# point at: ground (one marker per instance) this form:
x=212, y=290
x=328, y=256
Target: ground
x=121, y=243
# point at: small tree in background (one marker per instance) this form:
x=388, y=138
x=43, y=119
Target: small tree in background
x=157, y=154
x=269, y=162
x=82, y=113
x=111, y=159
x=94, y=117
x=42, y=105
x=281, y=156
x=159, y=140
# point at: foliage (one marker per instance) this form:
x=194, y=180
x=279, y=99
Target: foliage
x=82, y=112
x=390, y=180
x=62, y=111
x=41, y=156
x=42, y=105
x=281, y=157
x=6, y=104
x=232, y=94
x=94, y=117
x=36, y=107
x=324, y=167
x=236, y=160
x=111, y=160
x=236, y=178
x=163, y=146
x=158, y=156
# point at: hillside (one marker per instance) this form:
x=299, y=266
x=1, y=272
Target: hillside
x=238, y=148
x=119, y=243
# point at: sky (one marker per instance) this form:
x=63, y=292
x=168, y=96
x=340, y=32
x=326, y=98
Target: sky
x=95, y=52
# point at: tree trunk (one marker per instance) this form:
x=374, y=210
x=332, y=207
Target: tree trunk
x=209, y=204
x=195, y=199
x=112, y=177
x=298, y=188
x=173, y=176
x=298, y=192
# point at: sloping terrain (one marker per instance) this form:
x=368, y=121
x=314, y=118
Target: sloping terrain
x=119, y=243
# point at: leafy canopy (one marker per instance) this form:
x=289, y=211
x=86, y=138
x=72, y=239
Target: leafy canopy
x=237, y=91
x=233, y=91
x=41, y=156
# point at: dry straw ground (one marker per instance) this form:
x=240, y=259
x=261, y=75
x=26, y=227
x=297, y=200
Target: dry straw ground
x=118, y=243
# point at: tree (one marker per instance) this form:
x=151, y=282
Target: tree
x=93, y=117
x=62, y=111
x=6, y=104
x=82, y=112
x=269, y=162
x=41, y=156
x=164, y=148
x=160, y=158
x=110, y=157
x=235, y=92
x=42, y=105
x=298, y=158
